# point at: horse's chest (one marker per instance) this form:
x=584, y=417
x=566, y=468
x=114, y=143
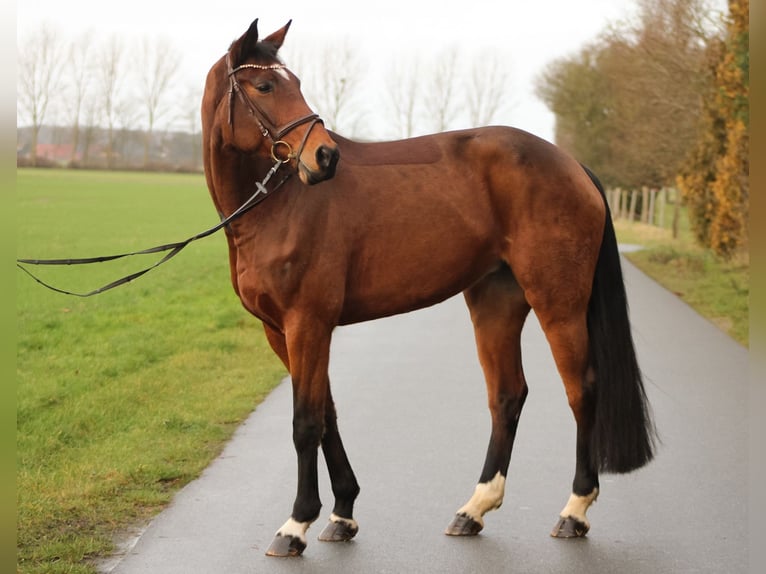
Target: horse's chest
x=269, y=283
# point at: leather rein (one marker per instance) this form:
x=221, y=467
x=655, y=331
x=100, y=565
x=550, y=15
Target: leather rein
x=281, y=153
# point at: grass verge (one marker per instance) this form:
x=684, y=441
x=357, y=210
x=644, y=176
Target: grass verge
x=717, y=289
x=125, y=397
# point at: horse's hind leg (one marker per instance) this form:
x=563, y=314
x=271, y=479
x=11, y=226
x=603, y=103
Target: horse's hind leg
x=498, y=311
x=567, y=335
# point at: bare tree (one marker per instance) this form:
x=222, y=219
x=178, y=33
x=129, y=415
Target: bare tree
x=193, y=123
x=79, y=73
x=332, y=84
x=440, y=99
x=488, y=92
x=127, y=138
x=403, y=95
x=158, y=67
x=91, y=108
x=40, y=59
x=109, y=70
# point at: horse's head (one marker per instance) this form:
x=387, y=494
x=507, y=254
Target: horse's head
x=263, y=109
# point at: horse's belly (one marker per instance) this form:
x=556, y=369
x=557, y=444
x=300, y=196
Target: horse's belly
x=414, y=274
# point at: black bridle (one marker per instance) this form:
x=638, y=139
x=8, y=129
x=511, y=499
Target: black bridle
x=281, y=153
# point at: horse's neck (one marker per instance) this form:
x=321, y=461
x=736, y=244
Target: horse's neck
x=237, y=179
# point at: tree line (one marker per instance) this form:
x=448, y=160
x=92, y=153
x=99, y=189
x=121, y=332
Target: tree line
x=99, y=86
x=663, y=101
x=658, y=101
x=107, y=88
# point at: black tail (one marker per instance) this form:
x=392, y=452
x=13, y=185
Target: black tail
x=623, y=436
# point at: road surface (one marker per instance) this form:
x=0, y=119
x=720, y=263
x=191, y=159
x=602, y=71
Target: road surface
x=412, y=413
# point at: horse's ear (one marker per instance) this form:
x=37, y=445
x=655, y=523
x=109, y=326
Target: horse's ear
x=242, y=47
x=278, y=37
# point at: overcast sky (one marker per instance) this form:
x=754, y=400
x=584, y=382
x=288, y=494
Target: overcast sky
x=529, y=33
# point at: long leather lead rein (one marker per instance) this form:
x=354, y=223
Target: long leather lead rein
x=173, y=249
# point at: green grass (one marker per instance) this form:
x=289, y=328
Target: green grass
x=124, y=397
x=718, y=290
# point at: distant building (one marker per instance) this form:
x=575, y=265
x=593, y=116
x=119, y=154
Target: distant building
x=60, y=154
x=168, y=150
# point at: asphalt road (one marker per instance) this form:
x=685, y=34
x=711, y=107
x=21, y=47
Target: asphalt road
x=412, y=412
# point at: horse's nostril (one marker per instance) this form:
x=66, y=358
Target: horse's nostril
x=327, y=157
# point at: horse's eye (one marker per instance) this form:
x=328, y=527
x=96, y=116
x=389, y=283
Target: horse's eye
x=264, y=87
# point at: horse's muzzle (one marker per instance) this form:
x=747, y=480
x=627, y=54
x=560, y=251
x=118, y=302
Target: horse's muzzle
x=327, y=160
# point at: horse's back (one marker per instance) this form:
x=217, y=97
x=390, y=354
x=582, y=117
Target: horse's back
x=495, y=180
x=508, y=162
x=464, y=202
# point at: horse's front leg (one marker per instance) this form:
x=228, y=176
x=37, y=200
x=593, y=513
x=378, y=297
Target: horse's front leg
x=308, y=348
x=342, y=527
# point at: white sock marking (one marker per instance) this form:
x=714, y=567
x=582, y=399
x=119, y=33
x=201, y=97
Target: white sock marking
x=295, y=529
x=487, y=496
x=577, y=506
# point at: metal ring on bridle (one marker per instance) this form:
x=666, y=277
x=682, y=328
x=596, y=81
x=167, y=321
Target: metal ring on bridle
x=275, y=151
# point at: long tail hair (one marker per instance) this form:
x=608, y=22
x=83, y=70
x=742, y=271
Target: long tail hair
x=623, y=437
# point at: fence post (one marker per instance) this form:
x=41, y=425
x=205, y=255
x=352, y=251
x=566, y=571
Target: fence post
x=644, y=204
x=663, y=201
x=632, y=212
x=623, y=208
x=652, y=195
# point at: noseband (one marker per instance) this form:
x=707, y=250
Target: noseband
x=281, y=151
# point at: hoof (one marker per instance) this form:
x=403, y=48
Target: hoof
x=569, y=528
x=286, y=546
x=339, y=531
x=463, y=525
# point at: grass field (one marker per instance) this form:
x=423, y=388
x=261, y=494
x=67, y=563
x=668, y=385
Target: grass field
x=716, y=289
x=124, y=397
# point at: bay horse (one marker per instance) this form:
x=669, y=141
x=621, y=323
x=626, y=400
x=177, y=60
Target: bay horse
x=359, y=231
